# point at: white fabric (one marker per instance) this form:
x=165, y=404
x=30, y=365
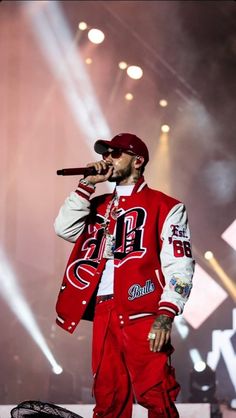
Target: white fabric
x=106, y=285
x=124, y=190
x=70, y=221
x=183, y=269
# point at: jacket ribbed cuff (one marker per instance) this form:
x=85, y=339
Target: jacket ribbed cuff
x=168, y=308
x=85, y=191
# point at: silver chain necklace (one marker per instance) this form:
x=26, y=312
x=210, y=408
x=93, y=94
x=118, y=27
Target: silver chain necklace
x=111, y=210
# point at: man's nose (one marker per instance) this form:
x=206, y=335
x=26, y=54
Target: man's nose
x=108, y=158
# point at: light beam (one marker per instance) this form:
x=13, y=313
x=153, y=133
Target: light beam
x=13, y=295
x=225, y=279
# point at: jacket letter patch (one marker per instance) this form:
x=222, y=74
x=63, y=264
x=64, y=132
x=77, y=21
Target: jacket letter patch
x=129, y=235
x=137, y=291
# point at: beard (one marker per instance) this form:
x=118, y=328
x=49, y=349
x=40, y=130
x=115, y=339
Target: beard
x=121, y=174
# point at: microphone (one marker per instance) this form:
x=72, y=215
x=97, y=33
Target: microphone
x=85, y=171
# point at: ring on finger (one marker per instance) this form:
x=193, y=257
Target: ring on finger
x=151, y=336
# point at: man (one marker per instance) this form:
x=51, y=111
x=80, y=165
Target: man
x=132, y=263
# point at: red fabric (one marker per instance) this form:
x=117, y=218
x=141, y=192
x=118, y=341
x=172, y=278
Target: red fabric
x=125, y=369
x=136, y=257
x=85, y=191
x=124, y=141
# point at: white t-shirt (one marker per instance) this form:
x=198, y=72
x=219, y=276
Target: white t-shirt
x=106, y=286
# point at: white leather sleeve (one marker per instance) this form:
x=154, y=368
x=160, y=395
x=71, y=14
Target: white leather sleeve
x=70, y=221
x=176, y=258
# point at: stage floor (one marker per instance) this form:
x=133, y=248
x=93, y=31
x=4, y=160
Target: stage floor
x=185, y=411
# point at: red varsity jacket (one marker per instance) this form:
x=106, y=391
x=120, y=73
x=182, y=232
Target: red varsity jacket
x=152, y=254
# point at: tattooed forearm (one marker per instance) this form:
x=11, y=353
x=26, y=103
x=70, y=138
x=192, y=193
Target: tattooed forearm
x=162, y=322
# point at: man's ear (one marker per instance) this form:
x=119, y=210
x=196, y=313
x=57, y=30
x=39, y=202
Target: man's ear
x=139, y=160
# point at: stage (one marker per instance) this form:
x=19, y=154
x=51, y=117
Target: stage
x=60, y=93
x=185, y=411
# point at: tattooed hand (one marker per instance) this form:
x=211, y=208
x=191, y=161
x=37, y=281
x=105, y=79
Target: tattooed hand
x=162, y=329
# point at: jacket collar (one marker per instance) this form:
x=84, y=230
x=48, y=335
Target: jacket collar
x=141, y=183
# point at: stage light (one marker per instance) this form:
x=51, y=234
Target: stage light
x=202, y=385
x=96, y=36
x=63, y=55
x=163, y=103
x=208, y=255
x=57, y=369
x=82, y=26
x=123, y=65
x=200, y=366
x=165, y=128
x=198, y=363
x=226, y=280
x=135, y=72
x=164, y=139
x=161, y=159
x=13, y=295
x=129, y=96
x=182, y=326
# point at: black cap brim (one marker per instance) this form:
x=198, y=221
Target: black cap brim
x=101, y=146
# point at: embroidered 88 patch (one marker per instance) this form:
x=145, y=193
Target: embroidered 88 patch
x=182, y=248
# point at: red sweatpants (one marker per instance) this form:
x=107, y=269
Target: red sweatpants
x=126, y=371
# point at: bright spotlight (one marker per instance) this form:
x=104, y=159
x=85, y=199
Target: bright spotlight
x=96, y=36
x=88, y=61
x=82, y=25
x=208, y=255
x=200, y=366
x=129, y=96
x=165, y=129
x=196, y=358
x=163, y=103
x=57, y=369
x=123, y=65
x=203, y=386
x=135, y=72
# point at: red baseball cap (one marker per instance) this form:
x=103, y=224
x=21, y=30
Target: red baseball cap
x=126, y=142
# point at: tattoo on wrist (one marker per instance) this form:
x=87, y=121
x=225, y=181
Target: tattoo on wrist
x=163, y=322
